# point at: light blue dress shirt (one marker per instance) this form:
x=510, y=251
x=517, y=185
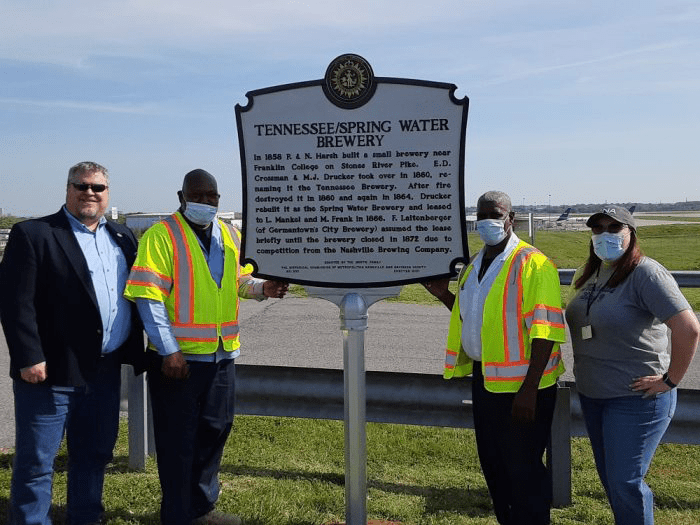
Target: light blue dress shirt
x=154, y=314
x=108, y=273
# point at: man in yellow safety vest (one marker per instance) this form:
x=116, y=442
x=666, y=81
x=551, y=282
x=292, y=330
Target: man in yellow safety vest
x=186, y=282
x=505, y=330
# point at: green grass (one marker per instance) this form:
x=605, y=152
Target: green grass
x=671, y=218
x=287, y=471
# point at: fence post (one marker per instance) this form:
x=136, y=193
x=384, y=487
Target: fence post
x=559, y=450
x=139, y=429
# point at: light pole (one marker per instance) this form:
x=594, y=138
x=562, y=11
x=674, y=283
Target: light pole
x=549, y=208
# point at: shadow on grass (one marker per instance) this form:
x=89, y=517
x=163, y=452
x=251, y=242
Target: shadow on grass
x=663, y=501
x=6, y=461
x=118, y=465
x=58, y=515
x=125, y=515
x=470, y=501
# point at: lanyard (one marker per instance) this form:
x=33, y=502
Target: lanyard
x=593, y=296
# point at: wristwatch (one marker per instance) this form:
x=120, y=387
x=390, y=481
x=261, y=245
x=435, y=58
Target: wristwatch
x=668, y=381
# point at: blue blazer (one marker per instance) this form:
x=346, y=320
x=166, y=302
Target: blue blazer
x=48, y=305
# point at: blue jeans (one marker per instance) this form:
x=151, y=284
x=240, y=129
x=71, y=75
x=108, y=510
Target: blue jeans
x=624, y=434
x=89, y=416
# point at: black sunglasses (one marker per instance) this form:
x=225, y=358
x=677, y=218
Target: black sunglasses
x=97, y=188
x=614, y=227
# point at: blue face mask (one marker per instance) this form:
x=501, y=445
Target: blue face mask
x=608, y=246
x=201, y=214
x=491, y=231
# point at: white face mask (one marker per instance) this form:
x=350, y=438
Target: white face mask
x=491, y=231
x=608, y=246
x=201, y=214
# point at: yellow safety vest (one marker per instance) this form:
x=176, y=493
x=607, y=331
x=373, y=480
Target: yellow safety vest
x=524, y=303
x=170, y=267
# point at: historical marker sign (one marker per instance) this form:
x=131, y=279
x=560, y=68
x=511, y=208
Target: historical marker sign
x=352, y=180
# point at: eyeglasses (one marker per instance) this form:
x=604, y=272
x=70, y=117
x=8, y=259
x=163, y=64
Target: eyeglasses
x=97, y=188
x=613, y=227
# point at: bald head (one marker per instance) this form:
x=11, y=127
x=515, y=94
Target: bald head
x=196, y=178
x=199, y=186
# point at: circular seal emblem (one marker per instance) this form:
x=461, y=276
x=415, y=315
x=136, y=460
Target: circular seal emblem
x=349, y=81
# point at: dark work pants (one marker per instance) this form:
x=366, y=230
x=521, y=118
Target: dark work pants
x=191, y=420
x=511, y=454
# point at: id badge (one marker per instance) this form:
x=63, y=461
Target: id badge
x=586, y=332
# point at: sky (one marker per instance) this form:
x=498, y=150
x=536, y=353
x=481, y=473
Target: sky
x=570, y=102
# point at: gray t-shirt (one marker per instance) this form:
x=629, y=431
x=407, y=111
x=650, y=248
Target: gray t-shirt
x=629, y=337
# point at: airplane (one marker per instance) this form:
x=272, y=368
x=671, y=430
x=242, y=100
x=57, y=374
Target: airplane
x=564, y=216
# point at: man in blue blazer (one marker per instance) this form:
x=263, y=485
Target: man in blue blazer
x=68, y=330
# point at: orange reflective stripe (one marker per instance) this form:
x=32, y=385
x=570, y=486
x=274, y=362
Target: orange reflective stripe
x=553, y=363
x=512, y=308
x=517, y=371
x=142, y=276
x=190, y=332
x=450, y=358
x=229, y=330
x=182, y=270
x=505, y=372
x=546, y=315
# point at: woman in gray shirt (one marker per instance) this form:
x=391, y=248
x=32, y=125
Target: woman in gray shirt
x=626, y=379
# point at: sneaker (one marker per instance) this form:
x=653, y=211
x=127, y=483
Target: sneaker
x=216, y=517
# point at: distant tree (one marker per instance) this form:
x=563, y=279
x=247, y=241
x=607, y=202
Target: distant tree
x=7, y=221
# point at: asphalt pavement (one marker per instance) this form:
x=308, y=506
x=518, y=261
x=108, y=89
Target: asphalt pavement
x=306, y=333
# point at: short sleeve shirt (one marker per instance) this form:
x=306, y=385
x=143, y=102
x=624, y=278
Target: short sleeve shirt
x=629, y=337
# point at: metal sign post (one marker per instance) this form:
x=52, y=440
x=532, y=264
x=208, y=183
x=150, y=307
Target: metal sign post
x=353, y=323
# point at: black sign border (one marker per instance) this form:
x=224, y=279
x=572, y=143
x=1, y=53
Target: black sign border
x=250, y=95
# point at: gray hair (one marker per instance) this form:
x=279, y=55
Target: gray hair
x=496, y=197
x=86, y=167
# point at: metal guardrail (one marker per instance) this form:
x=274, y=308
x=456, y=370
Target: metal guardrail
x=401, y=398
x=427, y=400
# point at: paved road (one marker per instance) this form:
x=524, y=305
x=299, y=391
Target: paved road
x=306, y=333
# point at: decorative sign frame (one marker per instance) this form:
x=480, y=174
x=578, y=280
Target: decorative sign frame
x=353, y=181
